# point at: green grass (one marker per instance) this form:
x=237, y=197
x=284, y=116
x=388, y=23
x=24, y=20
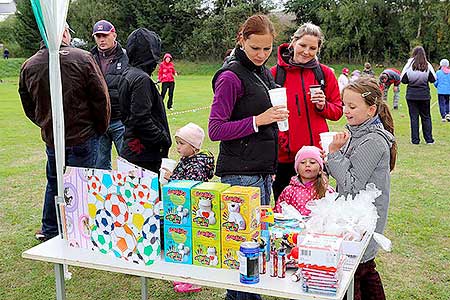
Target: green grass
x=418, y=223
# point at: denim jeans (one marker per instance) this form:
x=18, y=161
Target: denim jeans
x=420, y=108
x=114, y=134
x=82, y=155
x=264, y=182
x=396, y=94
x=444, y=107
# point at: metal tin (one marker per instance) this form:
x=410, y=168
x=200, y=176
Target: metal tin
x=273, y=263
x=249, y=262
x=281, y=264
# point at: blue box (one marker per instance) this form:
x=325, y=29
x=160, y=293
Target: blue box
x=178, y=244
x=176, y=197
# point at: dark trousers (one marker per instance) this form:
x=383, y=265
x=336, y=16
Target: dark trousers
x=444, y=105
x=284, y=173
x=420, y=108
x=168, y=86
x=83, y=155
x=368, y=285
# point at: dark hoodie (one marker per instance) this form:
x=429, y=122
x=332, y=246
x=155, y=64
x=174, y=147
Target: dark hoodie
x=147, y=136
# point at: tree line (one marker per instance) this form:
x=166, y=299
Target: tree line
x=355, y=30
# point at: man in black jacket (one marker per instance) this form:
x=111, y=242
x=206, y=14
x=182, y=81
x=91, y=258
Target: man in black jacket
x=112, y=60
x=147, y=137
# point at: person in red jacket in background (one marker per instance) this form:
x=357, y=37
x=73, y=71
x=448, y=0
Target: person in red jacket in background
x=307, y=113
x=166, y=75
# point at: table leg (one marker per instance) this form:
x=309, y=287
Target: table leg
x=351, y=289
x=60, y=286
x=144, y=290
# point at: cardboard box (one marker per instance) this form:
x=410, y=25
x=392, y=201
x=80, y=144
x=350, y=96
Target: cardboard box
x=177, y=202
x=240, y=209
x=205, y=204
x=320, y=249
x=178, y=244
x=231, y=242
x=206, y=247
x=354, y=248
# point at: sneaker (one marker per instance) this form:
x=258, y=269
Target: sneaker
x=187, y=288
x=447, y=117
x=431, y=143
x=396, y=107
x=444, y=120
x=40, y=236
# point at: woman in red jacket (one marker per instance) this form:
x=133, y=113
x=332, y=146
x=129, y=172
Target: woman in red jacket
x=307, y=113
x=166, y=75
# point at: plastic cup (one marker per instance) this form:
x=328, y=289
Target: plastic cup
x=314, y=89
x=326, y=138
x=166, y=164
x=278, y=97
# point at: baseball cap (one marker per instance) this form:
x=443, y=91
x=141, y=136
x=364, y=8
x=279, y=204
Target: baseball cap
x=104, y=27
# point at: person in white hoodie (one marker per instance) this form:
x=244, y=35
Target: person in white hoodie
x=417, y=73
x=343, y=79
x=442, y=84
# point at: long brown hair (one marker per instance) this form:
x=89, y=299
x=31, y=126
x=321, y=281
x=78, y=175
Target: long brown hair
x=256, y=24
x=371, y=93
x=321, y=184
x=420, y=59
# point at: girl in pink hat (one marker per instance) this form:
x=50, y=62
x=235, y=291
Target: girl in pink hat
x=310, y=183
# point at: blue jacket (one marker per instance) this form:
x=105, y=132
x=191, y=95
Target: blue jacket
x=443, y=82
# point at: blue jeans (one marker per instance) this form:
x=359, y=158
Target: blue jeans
x=444, y=107
x=264, y=182
x=114, y=134
x=82, y=155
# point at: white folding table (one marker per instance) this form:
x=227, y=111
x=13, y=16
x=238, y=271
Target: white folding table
x=58, y=252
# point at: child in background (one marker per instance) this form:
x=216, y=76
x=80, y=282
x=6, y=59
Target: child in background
x=365, y=154
x=367, y=71
x=310, y=183
x=166, y=75
x=355, y=75
x=195, y=164
x=442, y=84
x=343, y=79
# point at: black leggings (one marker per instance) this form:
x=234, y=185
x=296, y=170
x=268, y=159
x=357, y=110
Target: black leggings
x=171, y=87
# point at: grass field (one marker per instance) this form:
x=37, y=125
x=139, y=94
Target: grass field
x=418, y=225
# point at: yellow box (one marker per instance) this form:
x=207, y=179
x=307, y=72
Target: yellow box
x=240, y=209
x=205, y=204
x=231, y=241
x=206, y=247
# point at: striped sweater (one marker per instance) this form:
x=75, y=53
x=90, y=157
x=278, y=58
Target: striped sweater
x=365, y=159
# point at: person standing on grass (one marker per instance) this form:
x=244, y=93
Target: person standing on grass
x=308, y=112
x=147, y=137
x=417, y=73
x=6, y=53
x=343, y=79
x=86, y=114
x=366, y=153
x=442, y=84
x=242, y=117
x=112, y=60
x=166, y=75
x=387, y=78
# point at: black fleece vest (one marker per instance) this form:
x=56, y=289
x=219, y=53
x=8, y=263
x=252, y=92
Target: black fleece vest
x=255, y=154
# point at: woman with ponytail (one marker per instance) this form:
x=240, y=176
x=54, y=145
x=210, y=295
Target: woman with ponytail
x=365, y=154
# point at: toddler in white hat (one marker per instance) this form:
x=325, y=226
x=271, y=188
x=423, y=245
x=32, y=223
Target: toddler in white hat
x=195, y=163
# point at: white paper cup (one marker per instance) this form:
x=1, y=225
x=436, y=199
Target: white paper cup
x=278, y=97
x=314, y=89
x=166, y=164
x=326, y=138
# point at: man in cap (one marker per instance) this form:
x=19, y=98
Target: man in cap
x=86, y=114
x=112, y=60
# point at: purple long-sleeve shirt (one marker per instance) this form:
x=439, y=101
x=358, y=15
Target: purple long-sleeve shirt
x=228, y=89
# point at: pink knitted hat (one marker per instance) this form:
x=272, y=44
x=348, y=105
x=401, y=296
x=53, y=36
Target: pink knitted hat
x=308, y=152
x=191, y=133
